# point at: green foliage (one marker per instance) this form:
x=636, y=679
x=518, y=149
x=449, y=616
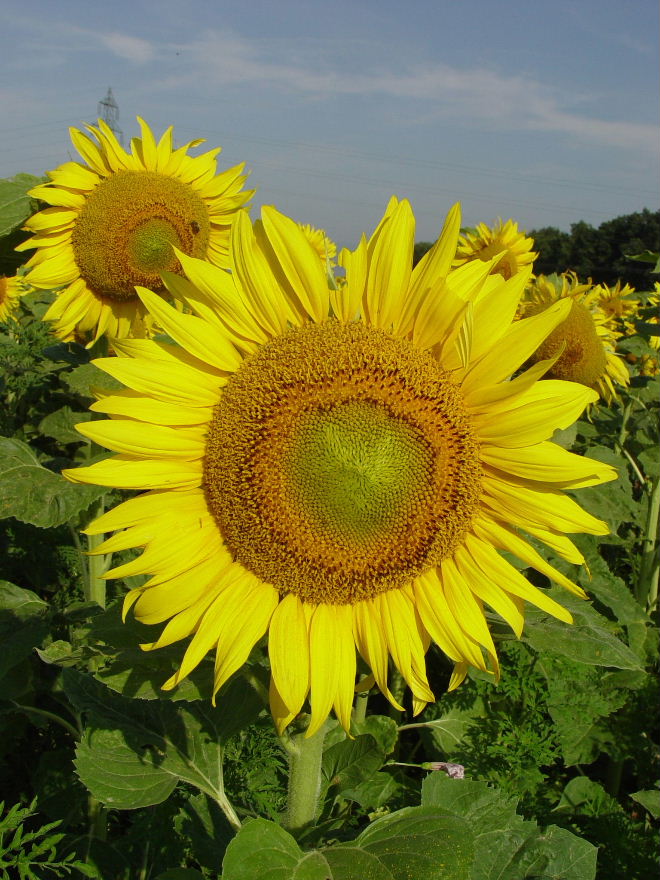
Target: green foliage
x=602, y=253
x=34, y=854
x=420, y=842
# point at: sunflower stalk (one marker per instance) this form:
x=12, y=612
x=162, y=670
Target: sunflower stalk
x=305, y=757
x=647, y=583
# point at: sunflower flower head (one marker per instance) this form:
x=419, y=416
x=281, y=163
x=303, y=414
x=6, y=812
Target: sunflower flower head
x=11, y=290
x=114, y=221
x=324, y=246
x=654, y=302
x=619, y=306
x=339, y=468
x=583, y=345
x=504, y=239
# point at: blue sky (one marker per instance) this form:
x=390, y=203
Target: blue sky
x=543, y=112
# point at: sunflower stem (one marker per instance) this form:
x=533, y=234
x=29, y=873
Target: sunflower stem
x=305, y=756
x=96, y=565
x=646, y=590
x=360, y=707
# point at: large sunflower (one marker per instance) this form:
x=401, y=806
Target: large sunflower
x=484, y=243
x=584, y=344
x=113, y=223
x=341, y=469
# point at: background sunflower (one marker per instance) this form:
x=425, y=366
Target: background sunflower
x=113, y=223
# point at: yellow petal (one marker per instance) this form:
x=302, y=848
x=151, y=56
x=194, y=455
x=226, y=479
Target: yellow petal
x=299, y=262
x=516, y=346
x=194, y=334
x=546, y=462
x=390, y=267
x=288, y=649
x=123, y=472
x=324, y=675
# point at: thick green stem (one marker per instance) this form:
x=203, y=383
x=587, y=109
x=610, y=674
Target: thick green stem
x=305, y=755
x=646, y=590
x=96, y=565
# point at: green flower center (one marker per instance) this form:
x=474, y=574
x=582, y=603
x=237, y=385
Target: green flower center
x=356, y=471
x=126, y=231
x=340, y=463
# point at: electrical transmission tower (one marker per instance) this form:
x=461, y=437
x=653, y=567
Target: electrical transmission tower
x=108, y=111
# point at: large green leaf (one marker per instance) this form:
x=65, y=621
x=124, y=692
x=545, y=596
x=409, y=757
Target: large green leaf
x=33, y=494
x=23, y=624
x=650, y=800
x=15, y=204
x=348, y=763
x=60, y=425
x=124, y=667
x=418, y=842
x=507, y=847
x=578, y=701
x=84, y=379
x=134, y=752
x=590, y=639
x=448, y=732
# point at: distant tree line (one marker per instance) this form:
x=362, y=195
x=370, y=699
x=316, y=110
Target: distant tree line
x=601, y=253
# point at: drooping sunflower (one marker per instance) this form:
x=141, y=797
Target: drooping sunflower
x=339, y=470
x=114, y=221
x=485, y=242
x=618, y=305
x=584, y=343
x=11, y=290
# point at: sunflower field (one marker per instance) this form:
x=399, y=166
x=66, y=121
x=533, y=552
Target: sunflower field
x=317, y=563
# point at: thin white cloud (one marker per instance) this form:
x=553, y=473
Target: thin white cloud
x=514, y=102
x=130, y=48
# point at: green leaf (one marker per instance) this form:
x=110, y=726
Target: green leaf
x=448, y=732
x=23, y=624
x=612, y=501
x=32, y=494
x=585, y=796
x=375, y=792
x=84, y=379
x=566, y=856
x=348, y=763
x=383, y=729
x=130, y=671
x=647, y=257
x=60, y=653
x=134, y=752
x=577, y=702
x=588, y=640
x=423, y=843
x=15, y=204
x=263, y=850
x=650, y=800
x=506, y=846
x=204, y=825
x=60, y=425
